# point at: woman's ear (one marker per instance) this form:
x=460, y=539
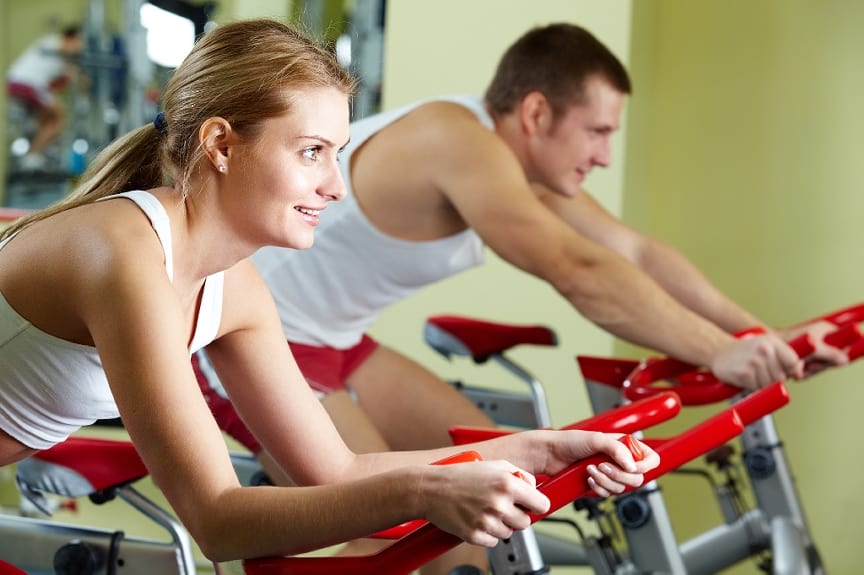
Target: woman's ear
x=214, y=135
x=535, y=112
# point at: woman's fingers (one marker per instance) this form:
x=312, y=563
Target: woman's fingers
x=487, y=501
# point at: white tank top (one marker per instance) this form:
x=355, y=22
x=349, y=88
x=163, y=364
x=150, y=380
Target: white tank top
x=50, y=387
x=39, y=65
x=329, y=294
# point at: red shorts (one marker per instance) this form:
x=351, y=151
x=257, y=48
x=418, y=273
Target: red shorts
x=326, y=370
x=32, y=97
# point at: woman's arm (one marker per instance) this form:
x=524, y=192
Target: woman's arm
x=255, y=366
x=138, y=326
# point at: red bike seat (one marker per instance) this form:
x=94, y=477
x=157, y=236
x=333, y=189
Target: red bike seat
x=81, y=466
x=451, y=334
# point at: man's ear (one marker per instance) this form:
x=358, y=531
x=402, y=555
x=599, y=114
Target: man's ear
x=535, y=113
x=215, y=134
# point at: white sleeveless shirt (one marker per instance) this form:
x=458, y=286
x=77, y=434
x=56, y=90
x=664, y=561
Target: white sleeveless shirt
x=50, y=387
x=330, y=294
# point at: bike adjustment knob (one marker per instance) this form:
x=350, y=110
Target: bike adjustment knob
x=77, y=558
x=633, y=511
x=760, y=462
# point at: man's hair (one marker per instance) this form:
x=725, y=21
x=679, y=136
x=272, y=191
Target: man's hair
x=555, y=60
x=71, y=31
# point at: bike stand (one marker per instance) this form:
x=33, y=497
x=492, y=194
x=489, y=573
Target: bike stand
x=100, y=469
x=776, y=524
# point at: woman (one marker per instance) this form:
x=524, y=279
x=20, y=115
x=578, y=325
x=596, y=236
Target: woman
x=99, y=316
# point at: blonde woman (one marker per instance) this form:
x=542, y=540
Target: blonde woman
x=106, y=294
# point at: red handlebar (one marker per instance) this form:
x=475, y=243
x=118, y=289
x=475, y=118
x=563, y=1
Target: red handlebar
x=424, y=544
x=848, y=315
x=693, y=386
x=628, y=418
x=409, y=526
x=699, y=387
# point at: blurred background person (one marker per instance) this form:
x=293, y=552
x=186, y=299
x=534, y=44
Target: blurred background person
x=34, y=79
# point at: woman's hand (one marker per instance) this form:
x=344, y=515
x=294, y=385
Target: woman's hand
x=608, y=478
x=481, y=502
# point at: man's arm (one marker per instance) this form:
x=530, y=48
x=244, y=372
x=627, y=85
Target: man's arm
x=679, y=276
x=667, y=266
x=485, y=183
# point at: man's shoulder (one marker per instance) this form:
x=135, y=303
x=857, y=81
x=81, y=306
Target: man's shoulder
x=447, y=116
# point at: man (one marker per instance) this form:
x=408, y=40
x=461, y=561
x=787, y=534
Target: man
x=432, y=184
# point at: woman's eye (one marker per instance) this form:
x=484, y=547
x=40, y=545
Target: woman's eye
x=311, y=153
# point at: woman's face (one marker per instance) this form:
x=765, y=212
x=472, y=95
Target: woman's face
x=288, y=176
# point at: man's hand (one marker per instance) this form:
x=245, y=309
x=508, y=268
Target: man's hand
x=756, y=361
x=824, y=355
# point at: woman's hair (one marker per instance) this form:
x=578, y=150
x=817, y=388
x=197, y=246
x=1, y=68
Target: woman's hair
x=242, y=72
x=554, y=60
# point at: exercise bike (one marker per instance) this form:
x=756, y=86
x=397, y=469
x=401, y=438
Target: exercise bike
x=104, y=471
x=767, y=530
x=775, y=529
x=425, y=542
x=107, y=468
x=61, y=472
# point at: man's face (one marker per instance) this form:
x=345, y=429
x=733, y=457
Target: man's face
x=565, y=152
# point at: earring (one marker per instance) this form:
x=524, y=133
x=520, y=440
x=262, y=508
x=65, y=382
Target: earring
x=222, y=168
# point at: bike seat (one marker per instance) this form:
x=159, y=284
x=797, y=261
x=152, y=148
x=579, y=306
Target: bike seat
x=81, y=466
x=479, y=339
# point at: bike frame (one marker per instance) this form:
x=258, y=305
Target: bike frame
x=101, y=469
x=777, y=523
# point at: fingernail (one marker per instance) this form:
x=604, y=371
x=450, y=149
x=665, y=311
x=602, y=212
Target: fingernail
x=606, y=468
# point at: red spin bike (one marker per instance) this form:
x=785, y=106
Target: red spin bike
x=774, y=530
x=102, y=469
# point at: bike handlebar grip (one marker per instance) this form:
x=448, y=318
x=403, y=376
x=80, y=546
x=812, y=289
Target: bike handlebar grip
x=696, y=387
x=633, y=445
x=802, y=345
x=847, y=315
x=628, y=418
x=708, y=435
x=633, y=417
x=572, y=483
x=461, y=457
x=760, y=403
x=427, y=542
x=856, y=350
x=461, y=434
x=407, y=527
x=844, y=336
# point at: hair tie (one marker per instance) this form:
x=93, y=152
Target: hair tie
x=160, y=124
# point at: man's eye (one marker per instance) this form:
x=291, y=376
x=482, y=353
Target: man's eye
x=311, y=153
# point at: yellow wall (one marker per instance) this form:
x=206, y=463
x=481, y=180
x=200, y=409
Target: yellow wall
x=744, y=150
